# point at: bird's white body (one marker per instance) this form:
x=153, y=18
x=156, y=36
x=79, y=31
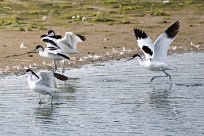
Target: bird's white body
x=37, y=87
x=41, y=84
x=155, y=65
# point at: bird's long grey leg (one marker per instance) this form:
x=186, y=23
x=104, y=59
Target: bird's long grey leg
x=51, y=97
x=166, y=75
x=156, y=77
x=63, y=65
x=40, y=102
x=55, y=83
x=55, y=66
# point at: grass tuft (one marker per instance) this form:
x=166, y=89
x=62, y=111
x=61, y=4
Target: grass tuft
x=103, y=17
x=158, y=12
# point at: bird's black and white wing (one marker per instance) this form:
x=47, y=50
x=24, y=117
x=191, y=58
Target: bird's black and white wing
x=58, y=52
x=46, y=78
x=70, y=41
x=163, y=42
x=144, y=42
x=50, y=42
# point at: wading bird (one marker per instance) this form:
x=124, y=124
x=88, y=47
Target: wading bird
x=52, y=53
x=156, y=53
x=43, y=83
x=68, y=44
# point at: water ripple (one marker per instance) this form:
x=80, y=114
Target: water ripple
x=108, y=99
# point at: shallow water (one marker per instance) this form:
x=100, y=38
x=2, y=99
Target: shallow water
x=113, y=98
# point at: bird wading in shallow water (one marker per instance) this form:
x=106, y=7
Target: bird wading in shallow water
x=156, y=53
x=67, y=44
x=43, y=83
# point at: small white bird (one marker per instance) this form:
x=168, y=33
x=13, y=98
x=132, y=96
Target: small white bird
x=114, y=51
x=156, y=53
x=194, y=45
x=43, y=83
x=166, y=2
x=44, y=17
x=23, y=45
x=52, y=53
x=67, y=44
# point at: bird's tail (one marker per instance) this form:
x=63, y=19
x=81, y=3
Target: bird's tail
x=172, y=67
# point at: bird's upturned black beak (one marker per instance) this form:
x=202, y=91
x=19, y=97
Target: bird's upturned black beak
x=33, y=51
x=44, y=35
x=130, y=59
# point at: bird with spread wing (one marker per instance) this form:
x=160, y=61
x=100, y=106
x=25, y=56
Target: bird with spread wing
x=156, y=53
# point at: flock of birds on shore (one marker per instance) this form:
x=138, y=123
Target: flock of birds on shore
x=60, y=48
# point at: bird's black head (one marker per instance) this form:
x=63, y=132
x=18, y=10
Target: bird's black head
x=28, y=70
x=51, y=32
x=33, y=73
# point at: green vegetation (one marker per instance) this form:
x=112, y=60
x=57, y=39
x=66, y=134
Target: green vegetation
x=103, y=17
x=32, y=15
x=158, y=12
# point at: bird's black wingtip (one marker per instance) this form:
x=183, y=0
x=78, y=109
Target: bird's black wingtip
x=140, y=34
x=60, y=77
x=173, y=29
x=83, y=38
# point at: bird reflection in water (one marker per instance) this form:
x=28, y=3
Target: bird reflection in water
x=44, y=113
x=162, y=100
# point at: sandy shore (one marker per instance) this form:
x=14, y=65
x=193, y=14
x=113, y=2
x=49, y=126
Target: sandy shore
x=101, y=39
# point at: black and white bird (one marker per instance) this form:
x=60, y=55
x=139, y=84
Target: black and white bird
x=156, y=53
x=52, y=53
x=43, y=84
x=67, y=44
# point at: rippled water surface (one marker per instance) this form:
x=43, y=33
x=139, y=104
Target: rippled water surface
x=113, y=98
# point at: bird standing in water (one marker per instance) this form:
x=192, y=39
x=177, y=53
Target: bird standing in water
x=43, y=84
x=52, y=53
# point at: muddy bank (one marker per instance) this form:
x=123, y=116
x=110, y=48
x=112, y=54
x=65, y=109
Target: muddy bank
x=103, y=42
